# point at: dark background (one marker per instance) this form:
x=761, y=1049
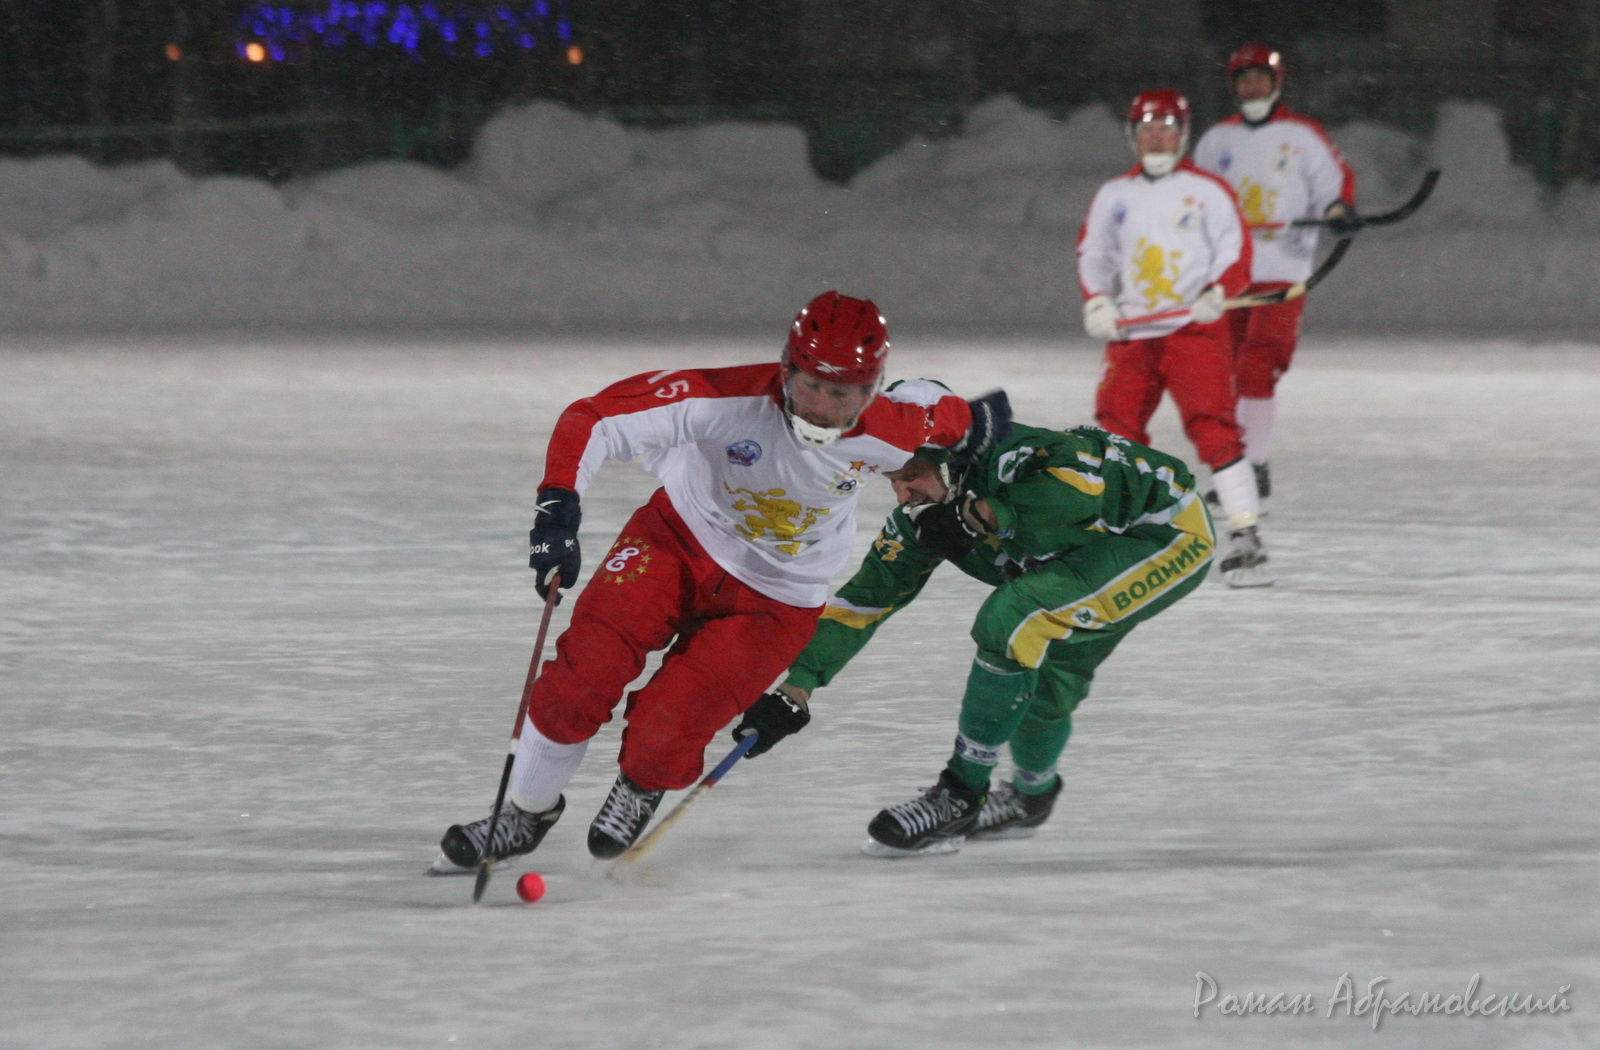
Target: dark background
x=334, y=82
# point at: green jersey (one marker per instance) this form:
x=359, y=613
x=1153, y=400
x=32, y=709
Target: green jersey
x=1055, y=491
x=1052, y=492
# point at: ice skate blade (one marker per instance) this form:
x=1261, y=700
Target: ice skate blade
x=1003, y=833
x=1255, y=576
x=874, y=848
x=443, y=865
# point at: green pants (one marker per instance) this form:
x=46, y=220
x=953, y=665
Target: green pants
x=1042, y=635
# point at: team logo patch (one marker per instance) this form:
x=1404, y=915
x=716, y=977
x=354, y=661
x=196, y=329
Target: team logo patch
x=1010, y=462
x=848, y=480
x=1119, y=214
x=627, y=560
x=744, y=453
x=1084, y=617
x=1188, y=216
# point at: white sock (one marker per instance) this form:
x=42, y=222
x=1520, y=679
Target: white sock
x=542, y=769
x=1236, y=492
x=1256, y=415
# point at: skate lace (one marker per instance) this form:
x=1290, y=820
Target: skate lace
x=921, y=814
x=1245, y=550
x=513, y=828
x=624, y=810
x=1003, y=804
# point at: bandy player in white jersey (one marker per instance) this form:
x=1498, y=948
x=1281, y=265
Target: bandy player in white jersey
x=1283, y=167
x=1161, y=248
x=728, y=564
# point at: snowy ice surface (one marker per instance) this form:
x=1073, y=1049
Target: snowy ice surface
x=265, y=620
x=565, y=222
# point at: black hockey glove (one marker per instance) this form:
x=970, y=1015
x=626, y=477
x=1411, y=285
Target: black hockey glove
x=949, y=530
x=772, y=717
x=553, y=540
x=991, y=424
x=1343, y=220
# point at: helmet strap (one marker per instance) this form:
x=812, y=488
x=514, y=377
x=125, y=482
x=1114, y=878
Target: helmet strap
x=1258, y=110
x=811, y=435
x=1159, y=165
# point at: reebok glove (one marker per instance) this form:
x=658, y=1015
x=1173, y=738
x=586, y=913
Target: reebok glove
x=553, y=540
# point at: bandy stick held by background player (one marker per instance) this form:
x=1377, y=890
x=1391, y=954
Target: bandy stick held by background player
x=726, y=567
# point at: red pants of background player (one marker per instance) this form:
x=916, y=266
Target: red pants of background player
x=1195, y=364
x=1264, y=339
x=656, y=584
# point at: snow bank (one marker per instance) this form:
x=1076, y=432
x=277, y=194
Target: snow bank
x=562, y=219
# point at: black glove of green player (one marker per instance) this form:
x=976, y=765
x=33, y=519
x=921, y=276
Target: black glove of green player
x=949, y=530
x=772, y=717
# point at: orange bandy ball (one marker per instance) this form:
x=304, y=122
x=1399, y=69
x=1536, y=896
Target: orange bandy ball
x=531, y=886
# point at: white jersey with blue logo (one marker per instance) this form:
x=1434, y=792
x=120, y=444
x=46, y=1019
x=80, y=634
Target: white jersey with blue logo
x=1154, y=245
x=1282, y=169
x=776, y=514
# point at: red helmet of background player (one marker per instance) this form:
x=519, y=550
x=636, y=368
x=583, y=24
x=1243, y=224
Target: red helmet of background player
x=1166, y=106
x=839, y=339
x=1256, y=56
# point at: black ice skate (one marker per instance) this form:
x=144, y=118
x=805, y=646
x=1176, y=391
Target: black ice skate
x=517, y=832
x=935, y=822
x=1011, y=814
x=627, y=810
x=1245, y=564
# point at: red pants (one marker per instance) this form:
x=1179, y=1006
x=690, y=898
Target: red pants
x=1195, y=363
x=1264, y=339
x=657, y=583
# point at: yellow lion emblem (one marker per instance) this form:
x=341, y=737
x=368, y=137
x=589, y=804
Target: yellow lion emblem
x=769, y=514
x=1154, y=273
x=1257, y=202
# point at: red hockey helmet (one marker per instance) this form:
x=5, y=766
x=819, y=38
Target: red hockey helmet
x=1162, y=104
x=839, y=339
x=1256, y=56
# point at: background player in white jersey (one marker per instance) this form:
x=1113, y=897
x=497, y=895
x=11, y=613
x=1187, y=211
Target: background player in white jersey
x=1162, y=247
x=1283, y=167
x=728, y=564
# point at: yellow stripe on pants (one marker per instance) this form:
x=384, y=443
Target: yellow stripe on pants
x=1128, y=593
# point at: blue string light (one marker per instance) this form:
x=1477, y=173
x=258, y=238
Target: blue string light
x=415, y=29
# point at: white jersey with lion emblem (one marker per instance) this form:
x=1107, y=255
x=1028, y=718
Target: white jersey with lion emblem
x=1155, y=244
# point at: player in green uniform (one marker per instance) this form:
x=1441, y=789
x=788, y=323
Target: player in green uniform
x=1083, y=535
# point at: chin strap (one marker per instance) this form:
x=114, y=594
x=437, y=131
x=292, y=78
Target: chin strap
x=1257, y=110
x=811, y=434
x=814, y=436
x=1159, y=165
